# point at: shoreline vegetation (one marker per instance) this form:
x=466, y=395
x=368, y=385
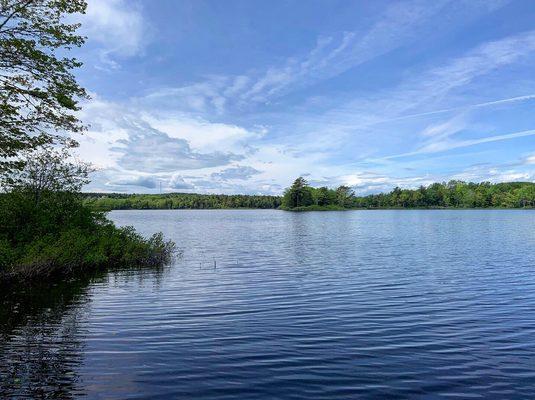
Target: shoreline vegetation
x=302, y=197
x=45, y=228
x=60, y=237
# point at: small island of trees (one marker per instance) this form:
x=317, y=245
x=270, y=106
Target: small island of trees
x=301, y=197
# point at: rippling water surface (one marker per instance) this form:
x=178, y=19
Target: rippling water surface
x=277, y=305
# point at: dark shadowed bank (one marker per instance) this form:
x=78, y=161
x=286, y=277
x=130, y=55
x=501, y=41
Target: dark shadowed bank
x=60, y=236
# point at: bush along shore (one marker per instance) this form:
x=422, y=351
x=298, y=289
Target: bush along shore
x=47, y=231
x=59, y=236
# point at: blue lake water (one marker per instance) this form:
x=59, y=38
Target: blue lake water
x=267, y=304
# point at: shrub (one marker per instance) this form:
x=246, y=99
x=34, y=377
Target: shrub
x=59, y=235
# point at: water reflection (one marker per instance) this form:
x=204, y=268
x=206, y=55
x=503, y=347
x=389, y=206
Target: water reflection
x=382, y=304
x=42, y=333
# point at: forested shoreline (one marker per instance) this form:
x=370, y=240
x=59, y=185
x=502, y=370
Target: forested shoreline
x=456, y=194
x=302, y=197
x=168, y=201
x=452, y=194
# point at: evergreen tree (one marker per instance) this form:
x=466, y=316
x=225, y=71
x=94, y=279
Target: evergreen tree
x=298, y=195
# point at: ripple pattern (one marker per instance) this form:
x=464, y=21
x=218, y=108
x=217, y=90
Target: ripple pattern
x=276, y=305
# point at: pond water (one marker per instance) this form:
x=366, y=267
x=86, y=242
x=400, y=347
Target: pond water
x=266, y=304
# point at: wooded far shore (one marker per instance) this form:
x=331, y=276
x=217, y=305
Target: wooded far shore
x=302, y=197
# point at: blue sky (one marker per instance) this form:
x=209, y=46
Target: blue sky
x=244, y=96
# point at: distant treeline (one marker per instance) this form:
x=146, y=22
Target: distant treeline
x=453, y=194
x=301, y=196
x=456, y=194
x=169, y=201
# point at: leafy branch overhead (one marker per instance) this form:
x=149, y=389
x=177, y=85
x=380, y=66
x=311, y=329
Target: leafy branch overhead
x=38, y=91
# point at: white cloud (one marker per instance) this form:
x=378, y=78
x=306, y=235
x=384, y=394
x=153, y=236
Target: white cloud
x=168, y=134
x=148, y=182
x=445, y=129
x=427, y=87
x=171, y=159
x=201, y=97
x=178, y=183
x=464, y=108
x=132, y=147
x=489, y=173
x=239, y=172
x=117, y=27
x=204, y=135
x=150, y=150
x=529, y=159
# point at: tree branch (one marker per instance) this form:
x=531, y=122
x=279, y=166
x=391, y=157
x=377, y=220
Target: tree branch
x=17, y=9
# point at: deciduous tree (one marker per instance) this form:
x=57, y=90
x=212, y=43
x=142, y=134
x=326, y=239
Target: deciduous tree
x=49, y=170
x=39, y=94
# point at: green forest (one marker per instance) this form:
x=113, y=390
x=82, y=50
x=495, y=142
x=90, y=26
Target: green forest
x=169, y=201
x=302, y=197
x=453, y=194
x=456, y=194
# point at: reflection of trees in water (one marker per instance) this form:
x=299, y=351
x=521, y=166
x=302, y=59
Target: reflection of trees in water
x=40, y=346
x=41, y=341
